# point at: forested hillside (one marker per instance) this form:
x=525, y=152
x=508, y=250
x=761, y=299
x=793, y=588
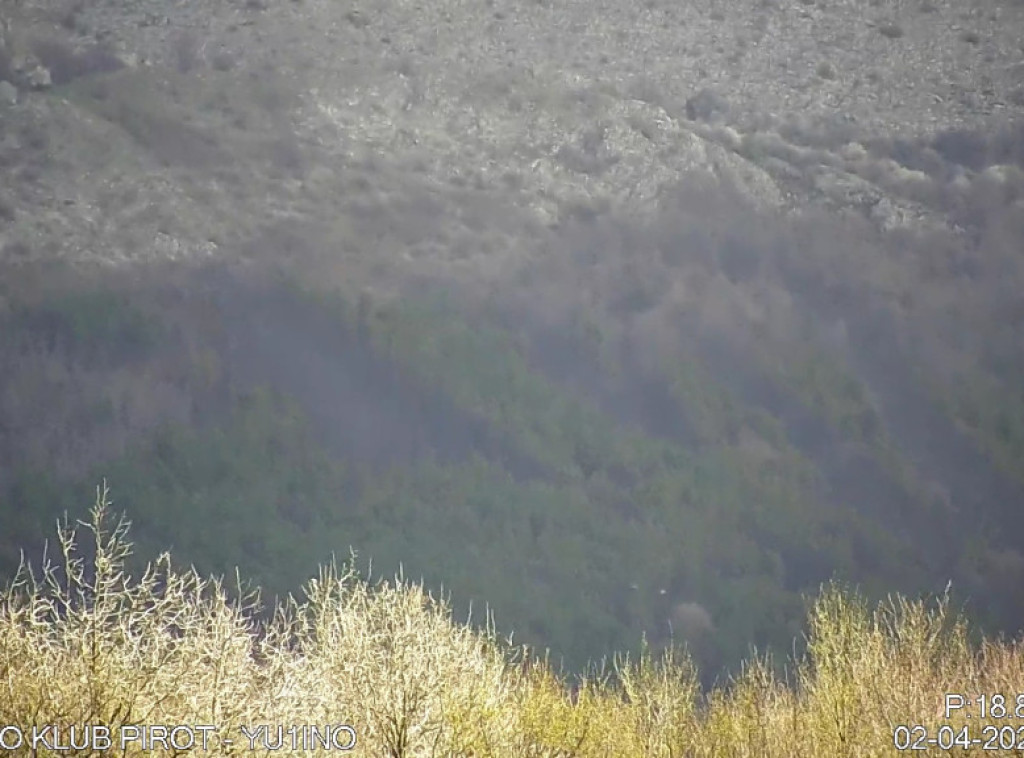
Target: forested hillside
x=540, y=306
x=587, y=486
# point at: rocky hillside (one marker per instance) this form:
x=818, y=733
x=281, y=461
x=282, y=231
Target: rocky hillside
x=551, y=107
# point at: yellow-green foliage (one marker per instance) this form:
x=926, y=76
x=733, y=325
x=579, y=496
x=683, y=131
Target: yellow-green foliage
x=83, y=643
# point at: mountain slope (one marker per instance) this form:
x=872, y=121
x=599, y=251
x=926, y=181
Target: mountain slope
x=593, y=313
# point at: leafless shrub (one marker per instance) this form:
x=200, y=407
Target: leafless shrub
x=119, y=649
x=86, y=642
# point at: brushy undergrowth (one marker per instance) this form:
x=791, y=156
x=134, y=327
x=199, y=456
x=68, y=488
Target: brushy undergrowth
x=83, y=643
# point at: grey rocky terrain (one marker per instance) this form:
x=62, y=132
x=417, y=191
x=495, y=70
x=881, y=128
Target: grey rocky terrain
x=553, y=108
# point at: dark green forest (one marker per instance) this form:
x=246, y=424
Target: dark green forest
x=553, y=474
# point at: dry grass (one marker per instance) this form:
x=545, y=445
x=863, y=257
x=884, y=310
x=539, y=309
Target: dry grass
x=82, y=643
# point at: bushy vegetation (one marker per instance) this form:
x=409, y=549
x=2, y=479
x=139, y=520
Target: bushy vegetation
x=88, y=325
x=266, y=426
x=82, y=641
